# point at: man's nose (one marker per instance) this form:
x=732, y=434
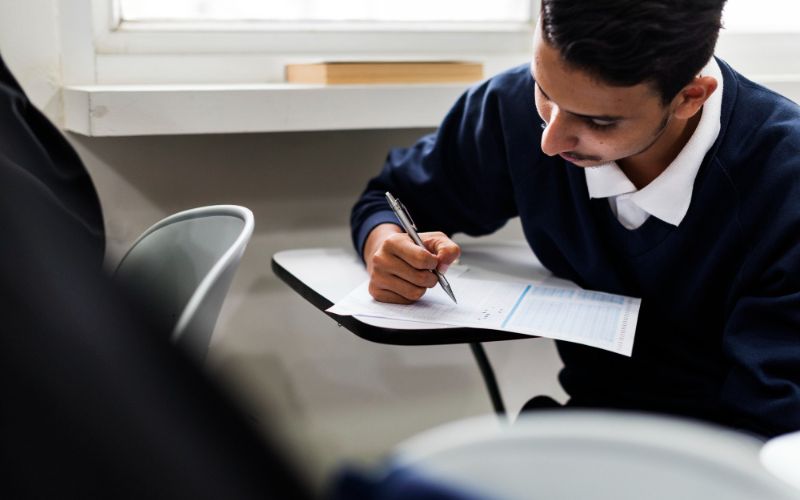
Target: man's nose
x=558, y=135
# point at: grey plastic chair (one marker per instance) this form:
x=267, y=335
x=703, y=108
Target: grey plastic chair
x=567, y=454
x=182, y=267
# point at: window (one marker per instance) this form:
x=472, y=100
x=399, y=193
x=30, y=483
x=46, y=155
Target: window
x=740, y=15
x=327, y=11
x=235, y=45
x=250, y=41
x=221, y=41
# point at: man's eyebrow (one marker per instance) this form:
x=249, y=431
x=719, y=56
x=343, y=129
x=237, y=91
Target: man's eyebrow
x=603, y=118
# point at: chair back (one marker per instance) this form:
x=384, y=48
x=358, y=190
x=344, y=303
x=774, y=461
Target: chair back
x=781, y=456
x=182, y=268
x=566, y=454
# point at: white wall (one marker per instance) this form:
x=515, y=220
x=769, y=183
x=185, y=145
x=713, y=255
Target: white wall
x=333, y=395
x=29, y=43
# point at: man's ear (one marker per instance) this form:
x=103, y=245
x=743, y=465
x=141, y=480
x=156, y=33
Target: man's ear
x=692, y=97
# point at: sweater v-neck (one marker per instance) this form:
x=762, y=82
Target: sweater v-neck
x=633, y=242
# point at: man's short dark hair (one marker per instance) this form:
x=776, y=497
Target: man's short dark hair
x=627, y=42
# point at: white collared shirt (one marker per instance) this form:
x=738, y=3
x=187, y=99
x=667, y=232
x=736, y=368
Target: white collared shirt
x=668, y=196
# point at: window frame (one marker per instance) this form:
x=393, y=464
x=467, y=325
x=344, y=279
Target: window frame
x=125, y=52
x=122, y=80
x=160, y=52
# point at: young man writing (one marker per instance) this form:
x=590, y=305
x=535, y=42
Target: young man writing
x=638, y=164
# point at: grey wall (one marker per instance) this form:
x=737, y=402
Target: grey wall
x=332, y=395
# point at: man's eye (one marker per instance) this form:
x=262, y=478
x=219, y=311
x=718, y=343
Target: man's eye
x=600, y=124
x=541, y=92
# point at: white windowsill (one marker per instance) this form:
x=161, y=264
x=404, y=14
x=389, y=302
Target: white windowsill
x=129, y=110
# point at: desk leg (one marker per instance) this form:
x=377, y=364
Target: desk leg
x=488, y=377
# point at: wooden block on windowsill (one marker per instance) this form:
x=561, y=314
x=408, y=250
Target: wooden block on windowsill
x=341, y=72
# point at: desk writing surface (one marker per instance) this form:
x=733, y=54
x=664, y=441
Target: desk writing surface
x=323, y=276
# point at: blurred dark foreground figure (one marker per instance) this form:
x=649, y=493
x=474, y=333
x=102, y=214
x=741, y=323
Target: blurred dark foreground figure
x=95, y=402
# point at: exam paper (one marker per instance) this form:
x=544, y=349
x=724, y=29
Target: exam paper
x=591, y=318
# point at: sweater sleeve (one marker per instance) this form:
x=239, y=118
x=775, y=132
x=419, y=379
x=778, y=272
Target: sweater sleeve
x=762, y=340
x=457, y=179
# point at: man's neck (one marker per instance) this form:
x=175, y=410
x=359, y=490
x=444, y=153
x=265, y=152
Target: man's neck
x=643, y=168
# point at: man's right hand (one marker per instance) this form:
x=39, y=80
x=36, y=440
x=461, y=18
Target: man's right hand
x=400, y=270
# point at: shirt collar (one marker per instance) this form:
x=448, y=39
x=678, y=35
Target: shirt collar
x=669, y=195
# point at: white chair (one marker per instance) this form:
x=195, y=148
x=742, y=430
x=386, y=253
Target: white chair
x=182, y=267
x=781, y=456
x=558, y=454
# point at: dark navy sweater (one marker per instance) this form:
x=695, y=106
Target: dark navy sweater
x=718, y=336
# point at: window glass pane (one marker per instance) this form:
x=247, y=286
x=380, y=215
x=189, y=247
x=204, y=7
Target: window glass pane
x=326, y=10
x=762, y=15
x=740, y=15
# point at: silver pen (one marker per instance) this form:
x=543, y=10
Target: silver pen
x=408, y=225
